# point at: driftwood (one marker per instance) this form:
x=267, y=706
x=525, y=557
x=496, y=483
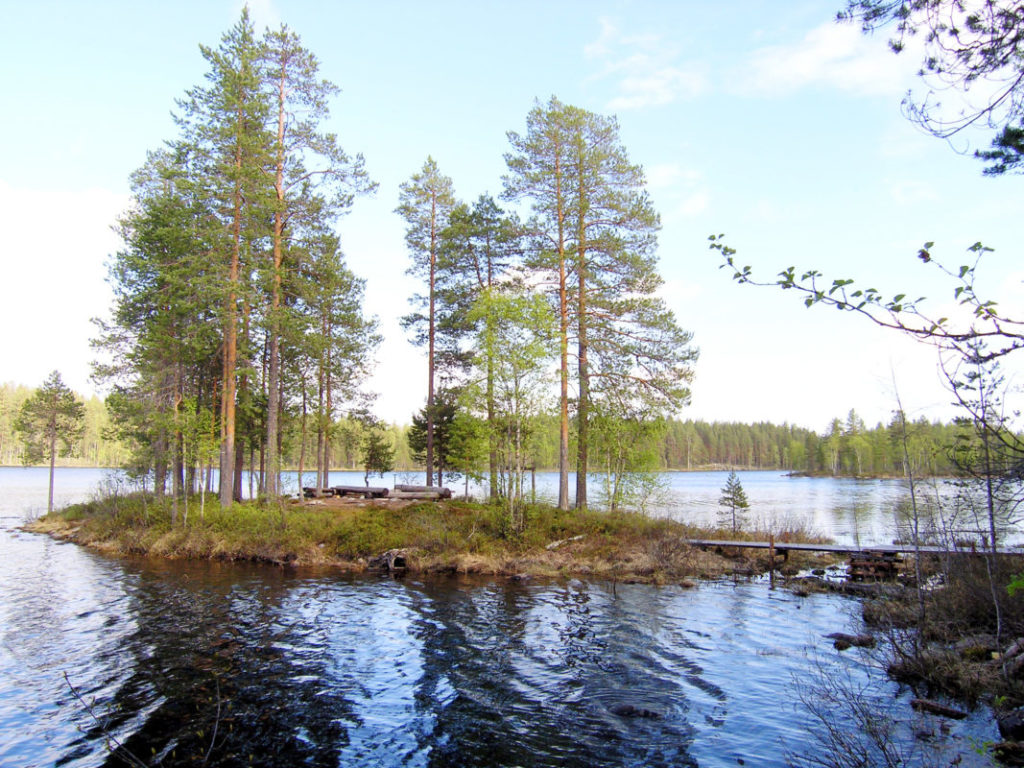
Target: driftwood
x=556, y=544
x=934, y=708
x=392, y=560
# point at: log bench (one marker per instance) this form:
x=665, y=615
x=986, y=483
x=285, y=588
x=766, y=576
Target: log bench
x=309, y=492
x=421, y=492
x=364, y=492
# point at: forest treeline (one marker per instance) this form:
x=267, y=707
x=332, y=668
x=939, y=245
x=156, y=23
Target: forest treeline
x=845, y=447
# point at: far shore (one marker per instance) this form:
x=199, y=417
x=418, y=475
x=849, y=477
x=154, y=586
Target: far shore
x=420, y=470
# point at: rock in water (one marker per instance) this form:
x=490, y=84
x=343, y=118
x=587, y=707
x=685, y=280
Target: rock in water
x=1011, y=724
x=844, y=641
x=628, y=710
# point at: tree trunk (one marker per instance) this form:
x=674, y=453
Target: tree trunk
x=492, y=453
x=329, y=421
x=53, y=460
x=302, y=440
x=583, y=407
x=227, y=447
x=430, y=341
x=160, y=464
x=273, y=393
x=563, y=325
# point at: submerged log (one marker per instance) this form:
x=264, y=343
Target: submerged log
x=844, y=641
x=934, y=708
x=630, y=710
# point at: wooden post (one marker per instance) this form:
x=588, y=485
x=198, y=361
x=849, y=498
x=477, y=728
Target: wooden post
x=771, y=561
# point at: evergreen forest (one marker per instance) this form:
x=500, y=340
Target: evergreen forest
x=846, y=447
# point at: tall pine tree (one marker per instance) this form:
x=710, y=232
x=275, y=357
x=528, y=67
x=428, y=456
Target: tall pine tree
x=426, y=202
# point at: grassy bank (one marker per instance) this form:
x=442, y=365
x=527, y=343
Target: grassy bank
x=447, y=537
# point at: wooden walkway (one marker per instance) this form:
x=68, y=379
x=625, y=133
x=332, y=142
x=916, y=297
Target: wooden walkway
x=847, y=549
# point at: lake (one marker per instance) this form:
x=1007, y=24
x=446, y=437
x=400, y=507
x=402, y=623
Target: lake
x=851, y=511
x=240, y=664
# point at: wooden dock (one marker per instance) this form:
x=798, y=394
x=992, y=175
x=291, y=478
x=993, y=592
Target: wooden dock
x=848, y=549
x=871, y=562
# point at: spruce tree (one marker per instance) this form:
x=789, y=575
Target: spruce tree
x=734, y=503
x=378, y=455
x=480, y=254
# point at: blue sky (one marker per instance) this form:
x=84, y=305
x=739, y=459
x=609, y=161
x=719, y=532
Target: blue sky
x=765, y=121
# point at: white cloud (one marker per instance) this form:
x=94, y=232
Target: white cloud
x=653, y=87
x=668, y=175
x=694, y=204
x=645, y=69
x=832, y=55
x=777, y=212
x=683, y=188
x=910, y=192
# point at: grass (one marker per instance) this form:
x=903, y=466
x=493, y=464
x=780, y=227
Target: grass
x=455, y=536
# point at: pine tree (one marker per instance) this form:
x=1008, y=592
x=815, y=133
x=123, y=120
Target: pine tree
x=225, y=133
x=426, y=202
x=599, y=234
x=480, y=254
x=314, y=182
x=50, y=422
x=734, y=503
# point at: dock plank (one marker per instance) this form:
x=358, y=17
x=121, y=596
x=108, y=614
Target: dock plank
x=847, y=549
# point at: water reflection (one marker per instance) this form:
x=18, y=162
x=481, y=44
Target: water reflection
x=285, y=668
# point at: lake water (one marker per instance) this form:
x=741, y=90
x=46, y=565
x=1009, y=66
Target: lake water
x=245, y=665
x=847, y=510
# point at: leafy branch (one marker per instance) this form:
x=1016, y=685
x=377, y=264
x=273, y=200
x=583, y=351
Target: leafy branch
x=986, y=323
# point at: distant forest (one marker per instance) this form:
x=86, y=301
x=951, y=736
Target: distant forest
x=846, y=446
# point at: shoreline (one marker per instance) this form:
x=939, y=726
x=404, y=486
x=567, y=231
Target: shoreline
x=428, y=538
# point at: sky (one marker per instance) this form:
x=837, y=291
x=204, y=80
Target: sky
x=765, y=121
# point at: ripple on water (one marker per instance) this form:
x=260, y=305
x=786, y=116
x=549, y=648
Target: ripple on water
x=307, y=668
